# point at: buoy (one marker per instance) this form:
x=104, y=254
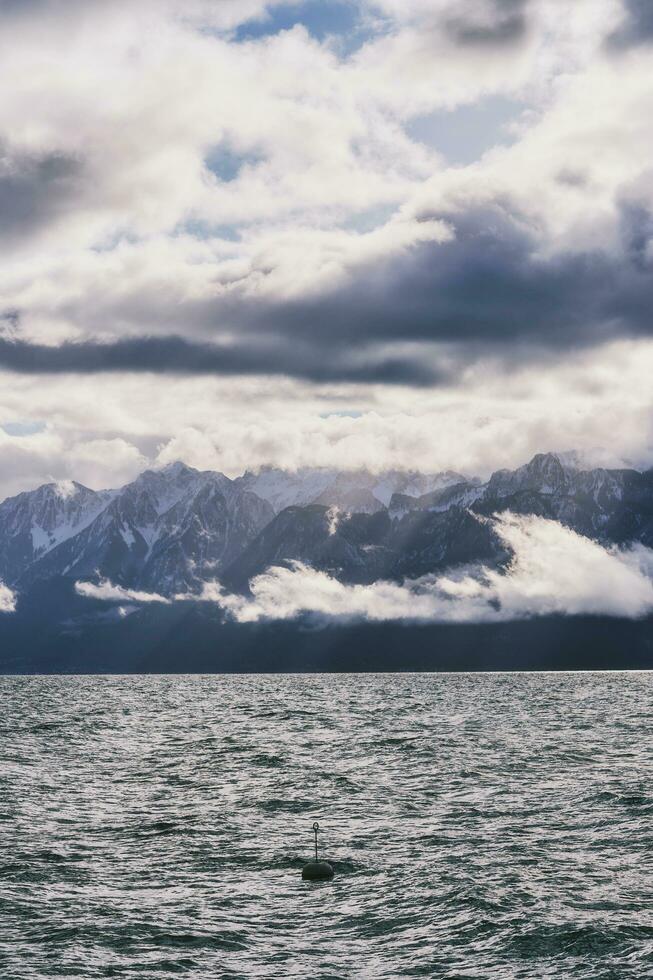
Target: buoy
x=317, y=870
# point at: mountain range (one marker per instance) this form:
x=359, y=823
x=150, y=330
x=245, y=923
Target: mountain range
x=175, y=528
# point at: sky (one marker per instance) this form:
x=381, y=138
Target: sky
x=401, y=233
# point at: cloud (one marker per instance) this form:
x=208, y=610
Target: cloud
x=167, y=268
x=35, y=190
x=65, y=489
x=108, y=592
x=502, y=22
x=103, y=430
x=222, y=15
x=7, y=599
x=636, y=27
x=143, y=94
x=486, y=282
x=553, y=571
x=52, y=454
x=490, y=283
x=234, y=310
x=175, y=355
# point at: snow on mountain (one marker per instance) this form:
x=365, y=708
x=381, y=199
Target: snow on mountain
x=414, y=484
x=544, y=473
x=167, y=485
x=352, y=491
x=446, y=526
x=169, y=528
x=456, y=495
x=283, y=488
x=35, y=522
x=367, y=547
x=592, y=459
x=201, y=533
x=617, y=504
x=174, y=528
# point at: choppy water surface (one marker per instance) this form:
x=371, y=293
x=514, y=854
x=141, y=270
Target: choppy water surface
x=480, y=825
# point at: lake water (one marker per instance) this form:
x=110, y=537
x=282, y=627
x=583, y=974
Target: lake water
x=480, y=825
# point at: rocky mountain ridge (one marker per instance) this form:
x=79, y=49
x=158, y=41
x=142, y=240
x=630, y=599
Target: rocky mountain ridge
x=174, y=528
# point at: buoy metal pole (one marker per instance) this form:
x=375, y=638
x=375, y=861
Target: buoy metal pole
x=317, y=870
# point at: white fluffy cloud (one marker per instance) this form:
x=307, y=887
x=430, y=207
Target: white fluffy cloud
x=108, y=592
x=554, y=571
x=120, y=219
x=493, y=418
x=55, y=453
x=156, y=171
x=7, y=599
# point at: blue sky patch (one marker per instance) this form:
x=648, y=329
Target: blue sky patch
x=321, y=19
x=208, y=229
x=22, y=428
x=463, y=135
x=226, y=164
x=370, y=218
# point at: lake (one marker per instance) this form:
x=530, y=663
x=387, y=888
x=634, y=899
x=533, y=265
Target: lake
x=480, y=825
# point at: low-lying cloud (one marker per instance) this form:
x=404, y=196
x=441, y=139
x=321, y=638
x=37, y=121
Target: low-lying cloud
x=554, y=571
x=7, y=599
x=108, y=592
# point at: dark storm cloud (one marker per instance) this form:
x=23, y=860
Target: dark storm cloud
x=506, y=23
x=637, y=233
x=11, y=7
x=35, y=189
x=637, y=27
x=175, y=355
x=488, y=286
x=26, y=8
x=488, y=290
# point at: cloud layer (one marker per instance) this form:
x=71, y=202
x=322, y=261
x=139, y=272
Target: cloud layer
x=7, y=599
x=104, y=434
x=108, y=592
x=554, y=571
x=265, y=195
x=262, y=192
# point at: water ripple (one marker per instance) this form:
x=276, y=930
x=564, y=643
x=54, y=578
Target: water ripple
x=495, y=827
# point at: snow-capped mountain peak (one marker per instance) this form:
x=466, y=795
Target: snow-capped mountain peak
x=173, y=528
x=35, y=522
x=357, y=491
